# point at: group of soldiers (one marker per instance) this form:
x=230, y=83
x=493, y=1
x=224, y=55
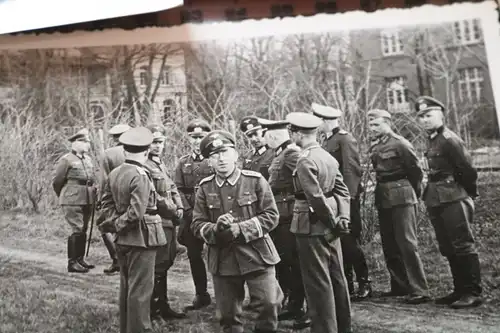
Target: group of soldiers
x=284, y=220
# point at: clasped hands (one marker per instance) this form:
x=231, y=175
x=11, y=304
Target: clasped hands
x=342, y=228
x=226, y=231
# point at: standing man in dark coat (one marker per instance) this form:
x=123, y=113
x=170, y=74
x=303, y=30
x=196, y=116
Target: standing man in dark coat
x=281, y=181
x=260, y=158
x=321, y=216
x=112, y=157
x=130, y=208
x=166, y=254
x=344, y=147
x=449, y=195
x=74, y=184
x=189, y=171
x=234, y=212
x=399, y=184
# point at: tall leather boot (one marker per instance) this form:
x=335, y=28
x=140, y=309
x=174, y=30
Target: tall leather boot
x=456, y=274
x=166, y=312
x=472, y=290
x=73, y=264
x=110, y=246
x=81, y=245
x=154, y=311
x=364, y=289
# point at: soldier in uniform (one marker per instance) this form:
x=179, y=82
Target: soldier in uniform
x=321, y=216
x=165, y=256
x=399, y=178
x=189, y=171
x=344, y=147
x=234, y=212
x=112, y=158
x=449, y=196
x=73, y=183
x=260, y=158
x=130, y=208
x=280, y=180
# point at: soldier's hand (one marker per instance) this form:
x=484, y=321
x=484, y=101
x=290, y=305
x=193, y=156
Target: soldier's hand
x=224, y=221
x=179, y=213
x=230, y=234
x=343, y=226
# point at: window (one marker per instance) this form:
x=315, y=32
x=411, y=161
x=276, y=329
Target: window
x=236, y=14
x=169, y=108
x=281, y=10
x=332, y=79
x=143, y=76
x=414, y=3
x=97, y=109
x=470, y=84
x=392, y=43
x=370, y=5
x=165, y=76
x=467, y=32
x=194, y=15
x=397, y=94
x=326, y=6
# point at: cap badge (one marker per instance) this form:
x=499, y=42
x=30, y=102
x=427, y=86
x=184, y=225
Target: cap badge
x=217, y=143
x=197, y=130
x=249, y=127
x=422, y=106
x=157, y=134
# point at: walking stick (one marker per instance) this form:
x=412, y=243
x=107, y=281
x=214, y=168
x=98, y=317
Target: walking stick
x=91, y=228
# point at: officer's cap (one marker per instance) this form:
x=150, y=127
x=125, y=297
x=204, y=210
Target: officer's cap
x=249, y=125
x=424, y=104
x=301, y=121
x=136, y=139
x=118, y=129
x=325, y=112
x=158, y=132
x=378, y=113
x=81, y=135
x=215, y=142
x=198, y=127
x=273, y=124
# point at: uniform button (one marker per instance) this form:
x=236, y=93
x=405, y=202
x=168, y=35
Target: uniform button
x=229, y=198
x=231, y=211
x=210, y=206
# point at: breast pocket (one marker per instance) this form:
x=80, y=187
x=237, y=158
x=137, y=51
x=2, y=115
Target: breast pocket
x=434, y=158
x=214, y=207
x=389, y=160
x=187, y=173
x=160, y=183
x=247, y=204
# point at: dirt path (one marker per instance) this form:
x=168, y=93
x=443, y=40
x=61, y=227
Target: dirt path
x=39, y=269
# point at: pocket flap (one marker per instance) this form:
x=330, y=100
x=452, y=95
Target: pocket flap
x=247, y=199
x=388, y=154
x=213, y=201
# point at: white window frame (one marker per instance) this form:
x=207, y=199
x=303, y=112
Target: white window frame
x=396, y=88
x=470, y=84
x=166, y=76
x=143, y=76
x=394, y=42
x=467, y=32
x=172, y=106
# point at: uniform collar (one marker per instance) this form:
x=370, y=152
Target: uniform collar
x=232, y=179
x=155, y=158
x=311, y=145
x=384, y=138
x=197, y=157
x=133, y=163
x=260, y=151
x=283, y=146
x=436, y=132
x=333, y=132
x=80, y=156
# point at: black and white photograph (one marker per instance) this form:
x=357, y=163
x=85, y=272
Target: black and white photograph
x=323, y=174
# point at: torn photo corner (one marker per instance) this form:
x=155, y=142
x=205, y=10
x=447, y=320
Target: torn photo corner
x=24, y=15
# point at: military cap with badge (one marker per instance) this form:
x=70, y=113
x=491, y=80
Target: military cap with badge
x=81, y=135
x=270, y=125
x=303, y=122
x=158, y=132
x=198, y=127
x=118, y=129
x=325, y=112
x=378, y=113
x=136, y=140
x=249, y=125
x=425, y=104
x=216, y=141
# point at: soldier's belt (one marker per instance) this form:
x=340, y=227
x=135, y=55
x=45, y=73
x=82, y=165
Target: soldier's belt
x=151, y=211
x=282, y=192
x=186, y=190
x=392, y=178
x=439, y=177
x=88, y=182
x=302, y=196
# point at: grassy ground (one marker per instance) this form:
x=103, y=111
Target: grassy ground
x=38, y=295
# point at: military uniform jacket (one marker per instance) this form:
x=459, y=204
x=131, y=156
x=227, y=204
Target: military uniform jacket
x=129, y=207
x=73, y=180
x=324, y=194
x=344, y=147
x=259, y=161
x=247, y=196
x=451, y=174
x=165, y=187
x=111, y=158
x=190, y=170
x=398, y=173
x=281, y=180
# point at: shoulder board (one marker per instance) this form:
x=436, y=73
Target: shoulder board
x=447, y=134
x=305, y=153
x=251, y=173
x=141, y=171
x=183, y=157
x=207, y=179
x=293, y=147
x=343, y=132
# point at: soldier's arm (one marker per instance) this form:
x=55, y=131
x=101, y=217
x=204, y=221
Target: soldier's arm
x=201, y=226
x=139, y=195
x=465, y=174
x=59, y=178
x=179, y=183
x=342, y=196
x=412, y=165
x=351, y=164
x=107, y=205
x=103, y=174
x=307, y=174
x=291, y=157
x=267, y=216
